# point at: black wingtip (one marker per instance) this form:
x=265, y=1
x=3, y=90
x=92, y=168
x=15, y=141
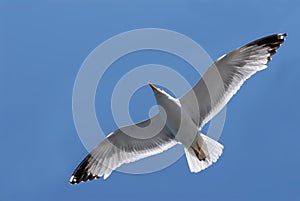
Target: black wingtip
x=81, y=174
x=272, y=42
x=274, y=39
x=281, y=36
x=284, y=34
x=72, y=180
x=86, y=177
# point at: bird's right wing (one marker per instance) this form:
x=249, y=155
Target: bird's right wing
x=124, y=145
x=226, y=75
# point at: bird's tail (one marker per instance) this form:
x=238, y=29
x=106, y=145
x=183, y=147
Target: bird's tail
x=203, y=152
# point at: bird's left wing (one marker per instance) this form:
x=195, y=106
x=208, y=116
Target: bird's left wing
x=226, y=75
x=124, y=145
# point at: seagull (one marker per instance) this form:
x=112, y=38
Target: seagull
x=180, y=120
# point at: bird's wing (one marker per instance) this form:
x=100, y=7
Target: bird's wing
x=124, y=145
x=226, y=75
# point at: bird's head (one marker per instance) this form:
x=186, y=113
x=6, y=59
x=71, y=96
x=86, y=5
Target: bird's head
x=155, y=89
x=159, y=93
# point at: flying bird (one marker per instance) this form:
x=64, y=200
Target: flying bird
x=180, y=119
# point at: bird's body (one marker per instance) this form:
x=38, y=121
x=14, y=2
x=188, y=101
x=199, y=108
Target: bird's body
x=180, y=119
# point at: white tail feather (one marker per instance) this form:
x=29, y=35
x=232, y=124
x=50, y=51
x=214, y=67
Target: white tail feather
x=210, y=147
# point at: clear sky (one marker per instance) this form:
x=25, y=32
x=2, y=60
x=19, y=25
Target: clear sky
x=43, y=44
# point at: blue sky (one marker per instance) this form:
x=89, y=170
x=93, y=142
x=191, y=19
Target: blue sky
x=43, y=44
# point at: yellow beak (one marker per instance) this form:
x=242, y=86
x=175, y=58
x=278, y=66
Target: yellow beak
x=153, y=87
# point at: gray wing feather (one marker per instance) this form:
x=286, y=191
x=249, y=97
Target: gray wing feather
x=119, y=148
x=226, y=75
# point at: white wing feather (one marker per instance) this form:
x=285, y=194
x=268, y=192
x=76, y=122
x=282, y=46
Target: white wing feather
x=119, y=148
x=224, y=78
